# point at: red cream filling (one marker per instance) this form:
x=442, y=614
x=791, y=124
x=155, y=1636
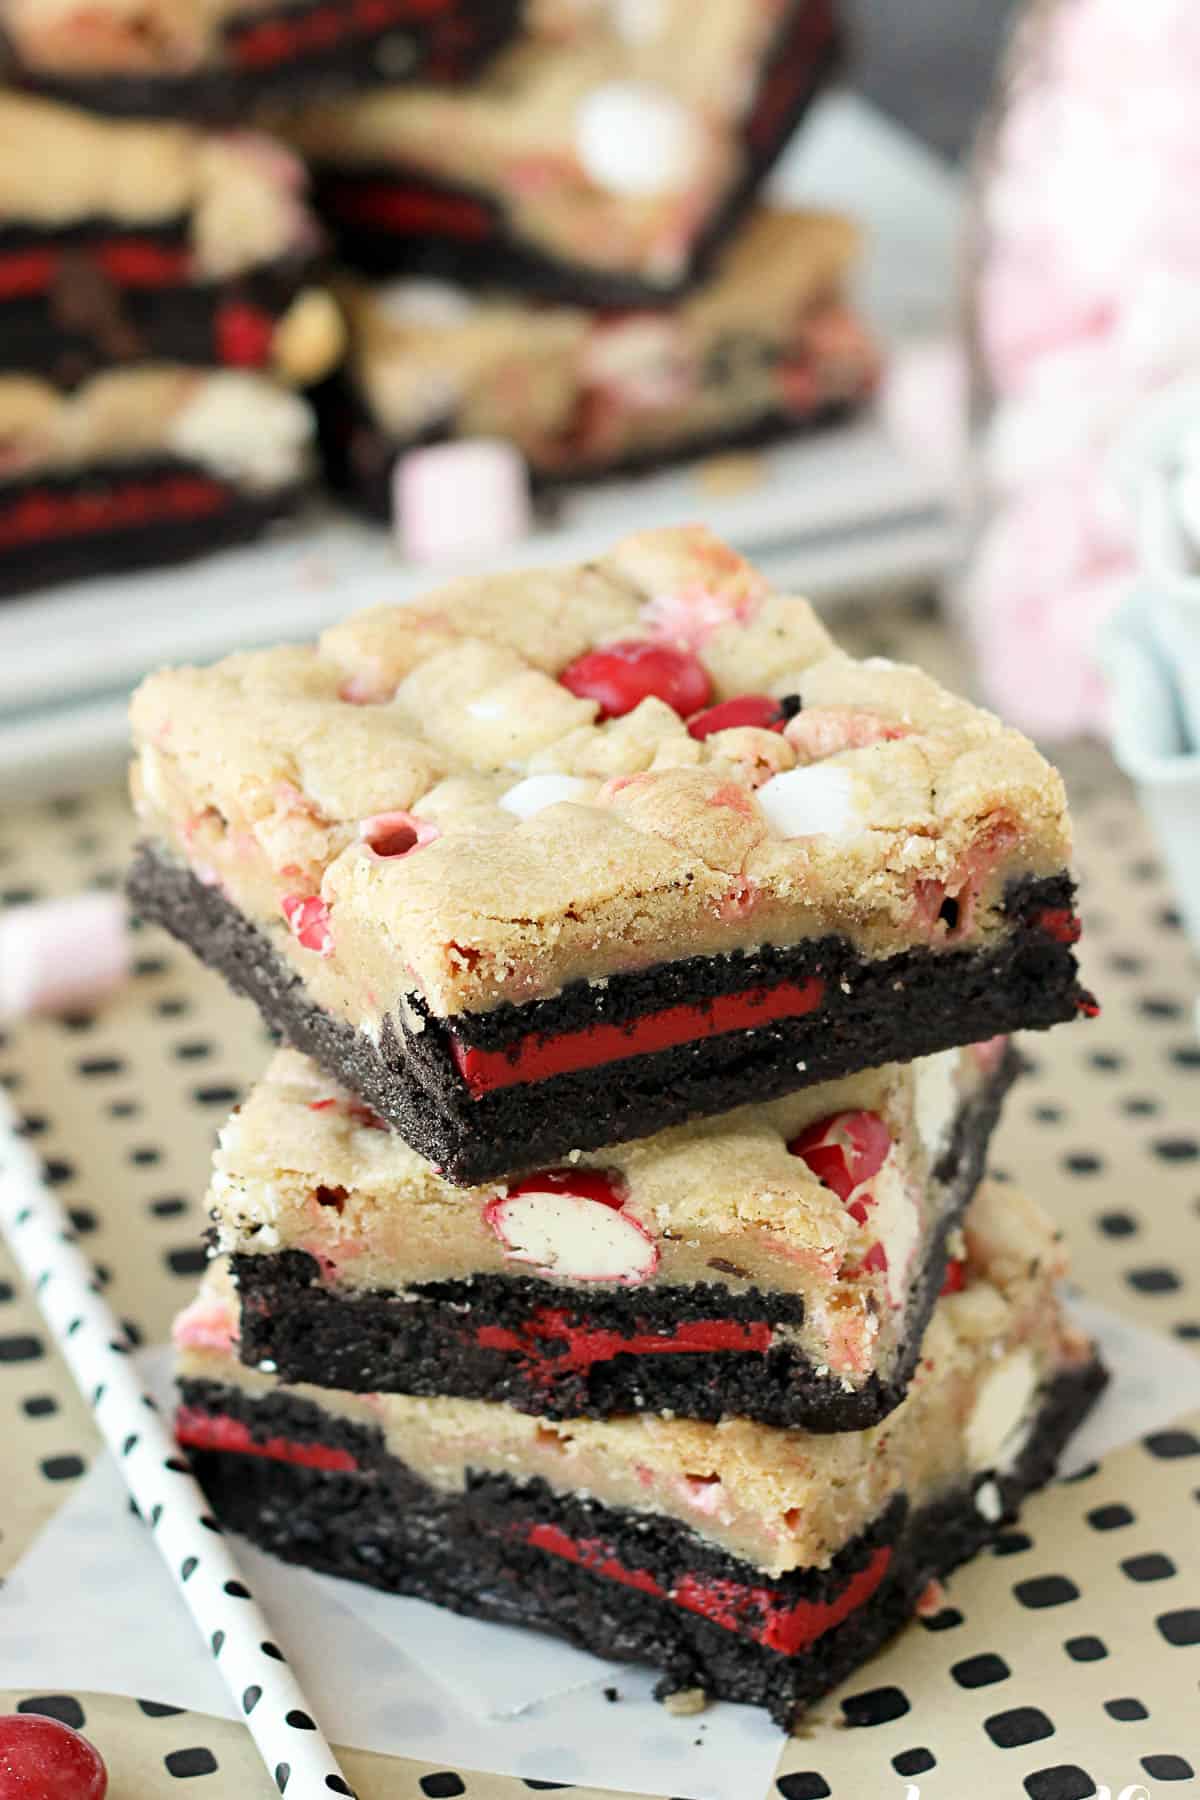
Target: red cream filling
x=42, y=513
x=407, y=206
x=217, y=1431
x=298, y=34
x=556, y=1347
x=536, y=1056
x=760, y=1613
x=131, y=262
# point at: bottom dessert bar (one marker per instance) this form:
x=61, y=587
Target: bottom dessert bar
x=753, y=1564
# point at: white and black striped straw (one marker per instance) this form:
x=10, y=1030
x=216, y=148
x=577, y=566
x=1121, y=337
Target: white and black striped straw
x=168, y=1496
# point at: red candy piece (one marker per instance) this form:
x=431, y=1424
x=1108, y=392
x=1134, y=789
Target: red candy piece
x=396, y=833
x=876, y=1258
x=844, y=1150
x=308, y=917
x=747, y=709
x=586, y=1184
x=621, y=676
x=43, y=1759
x=243, y=335
x=956, y=1277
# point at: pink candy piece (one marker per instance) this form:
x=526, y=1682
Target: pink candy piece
x=454, y=499
x=62, y=955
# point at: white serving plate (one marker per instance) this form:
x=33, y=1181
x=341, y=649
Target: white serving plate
x=841, y=513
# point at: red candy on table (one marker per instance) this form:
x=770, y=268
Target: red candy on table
x=620, y=676
x=43, y=1759
x=748, y=709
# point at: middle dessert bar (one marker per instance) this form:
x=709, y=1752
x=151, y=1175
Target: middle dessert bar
x=779, y=1262
x=557, y=858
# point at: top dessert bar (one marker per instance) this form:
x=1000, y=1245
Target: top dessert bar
x=216, y=58
x=555, y=858
x=605, y=169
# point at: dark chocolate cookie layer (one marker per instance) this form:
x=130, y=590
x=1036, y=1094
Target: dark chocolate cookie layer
x=359, y=456
x=382, y=1525
x=389, y=220
x=427, y=1341
x=97, y=295
x=312, y=50
x=104, y=521
x=888, y=1010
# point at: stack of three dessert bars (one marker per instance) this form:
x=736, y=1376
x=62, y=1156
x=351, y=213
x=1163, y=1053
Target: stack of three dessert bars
x=609, y=1251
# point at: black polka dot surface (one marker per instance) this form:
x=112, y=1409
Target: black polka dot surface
x=1064, y=1664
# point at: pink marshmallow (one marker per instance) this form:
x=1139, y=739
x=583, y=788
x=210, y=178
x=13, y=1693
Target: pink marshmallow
x=456, y=499
x=62, y=954
x=923, y=403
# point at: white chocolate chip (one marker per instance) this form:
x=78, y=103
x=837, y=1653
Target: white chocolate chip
x=634, y=138
x=439, y=305
x=988, y=1503
x=936, y=1100
x=810, y=802
x=1000, y=1418
x=573, y=1238
x=538, y=791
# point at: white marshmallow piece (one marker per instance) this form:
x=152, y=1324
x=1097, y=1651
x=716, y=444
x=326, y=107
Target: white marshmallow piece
x=1001, y=1417
x=436, y=305
x=62, y=955
x=633, y=138
x=573, y=1238
x=458, y=499
x=539, y=791
x=810, y=802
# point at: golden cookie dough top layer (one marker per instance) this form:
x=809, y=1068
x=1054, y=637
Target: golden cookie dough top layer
x=242, y=193
x=780, y=1499
x=303, y=1165
x=423, y=351
x=245, y=428
x=269, y=774
x=536, y=133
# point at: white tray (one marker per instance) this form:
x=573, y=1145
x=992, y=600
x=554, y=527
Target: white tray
x=844, y=512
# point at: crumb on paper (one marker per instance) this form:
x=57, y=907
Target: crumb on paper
x=735, y=473
x=684, y=1702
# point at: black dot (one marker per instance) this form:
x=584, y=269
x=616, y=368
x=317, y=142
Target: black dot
x=21, y=1346
x=1153, y=1279
x=1189, y=1331
x=1167, y=1768
x=1170, y=918
x=1109, y=1518
x=914, y=1762
x=1153, y=1566
x=197, y=1761
x=1125, y=1709
x=273, y=1651
x=77, y=1021
x=145, y=1155
x=1020, y=1725
x=250, y=1698
x=18, y=896
x=1048, y=1115
x=945, y=1620
x=1046, y=1590
x=1083, y=1162
x=1157, y=1006
x=1066, y=1781
x=1117, y=1224
x=445, y=1786
x=237, y=1591
x=187, y=1259
x=188, y=1567
x=150, y=965
x=299, y=1721
x=876, y=1706
x=336, y=1785
x=122, y=1109
x=211, y=1524
x=283, y=1774
x=171, y=1008
x=1140, y=1106
x=1086, y=1649
x=168, y=1206
x=215, y=1096
x=1106, y=1060
x=63, y=1707
x=1176, y=1149
x=195, y=1050
x=154, y=1709
x=92, y=1066
x=1172, y=1444
x=1180, y=1628
x=806, y=1786
x=217, y=1640
x=7, y=1290
x=57, y=1170
x=62, y=1468
x=980, y=1671
x=32, y=1124
x=39, y=1406
x=1187, y=1056
x=1011, y=1543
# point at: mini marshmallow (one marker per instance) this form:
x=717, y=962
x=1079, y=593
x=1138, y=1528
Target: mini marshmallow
x=810, y=802
x=455, y=499
x=635, y=138
x=62, y=955
x=439, y=305
x=999, y=1420
x=538, y=791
